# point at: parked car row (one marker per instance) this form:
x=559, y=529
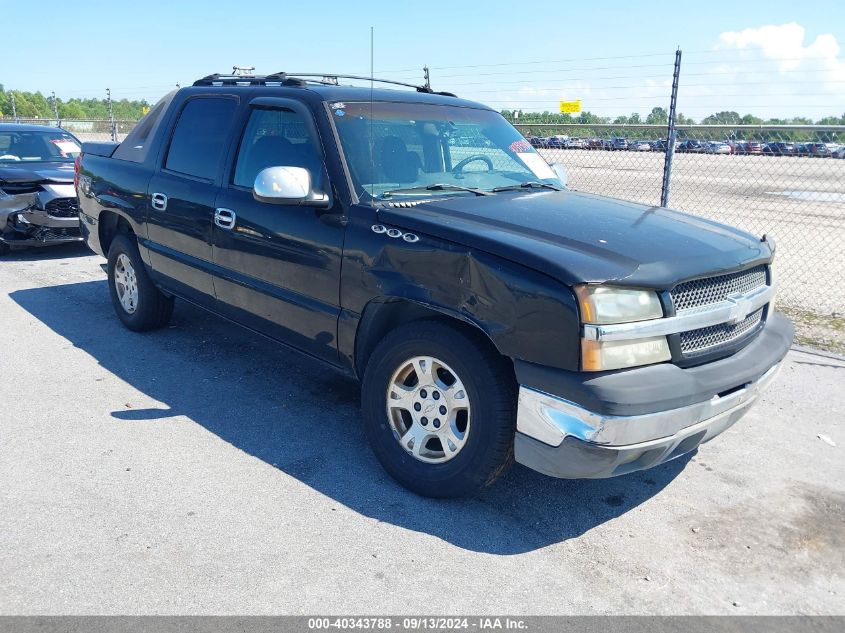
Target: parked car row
x=692, y=146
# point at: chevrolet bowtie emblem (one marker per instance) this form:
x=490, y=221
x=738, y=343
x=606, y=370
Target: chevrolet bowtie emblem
x=740, y=309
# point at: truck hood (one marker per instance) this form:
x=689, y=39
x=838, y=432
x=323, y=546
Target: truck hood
x=57, y=172
x=579, y=238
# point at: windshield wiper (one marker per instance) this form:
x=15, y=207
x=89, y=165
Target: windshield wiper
x=530, y=184
x=436, y=187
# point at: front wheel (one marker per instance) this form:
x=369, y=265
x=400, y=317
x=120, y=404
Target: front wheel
x=439, y=409
x=136, y=300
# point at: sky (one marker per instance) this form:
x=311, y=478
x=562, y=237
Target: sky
x=768, y=58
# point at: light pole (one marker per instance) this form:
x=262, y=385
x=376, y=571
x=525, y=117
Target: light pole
x=111, y=115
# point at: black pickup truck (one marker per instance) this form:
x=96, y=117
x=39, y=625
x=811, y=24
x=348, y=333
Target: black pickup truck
x=418, y=242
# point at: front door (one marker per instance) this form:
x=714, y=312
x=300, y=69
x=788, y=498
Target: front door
x=277, y=266
x=181, y=198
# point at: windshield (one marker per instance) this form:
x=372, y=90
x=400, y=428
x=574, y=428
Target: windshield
x=37, y=145
x=405, y=148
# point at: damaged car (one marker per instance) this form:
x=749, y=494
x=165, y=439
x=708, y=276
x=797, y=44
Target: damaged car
x=38, y=204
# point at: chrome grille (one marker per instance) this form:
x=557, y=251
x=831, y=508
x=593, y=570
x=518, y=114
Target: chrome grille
x=708, y=339
x=63, y=208
x=701, y=292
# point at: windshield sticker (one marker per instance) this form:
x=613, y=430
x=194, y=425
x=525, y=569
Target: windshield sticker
x=66, y=148
x=338, y=105
x=520, y=146
x=340, y=112
x=536, y=164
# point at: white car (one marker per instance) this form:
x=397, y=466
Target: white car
x=639, y=146
x=718, y=148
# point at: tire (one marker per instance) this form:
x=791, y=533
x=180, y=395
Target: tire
x=483, y=431
x=4, y=248
x=146, y=308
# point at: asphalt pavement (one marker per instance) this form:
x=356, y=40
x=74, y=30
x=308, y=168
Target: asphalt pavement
x=201, y=469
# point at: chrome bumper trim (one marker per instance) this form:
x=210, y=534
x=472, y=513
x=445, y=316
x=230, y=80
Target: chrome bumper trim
x=550, y=419
x=731, y=310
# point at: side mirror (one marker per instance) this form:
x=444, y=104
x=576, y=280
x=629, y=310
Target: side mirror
x=287, y=185
x=560, y=172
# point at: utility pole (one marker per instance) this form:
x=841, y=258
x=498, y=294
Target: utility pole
x=14, y=107
x=427, y=77
x=111, y=116
x=670, y=135
x=55, y=106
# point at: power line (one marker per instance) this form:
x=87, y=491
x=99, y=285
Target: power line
x=731, y=53
x=566, y=70
x=727, y=52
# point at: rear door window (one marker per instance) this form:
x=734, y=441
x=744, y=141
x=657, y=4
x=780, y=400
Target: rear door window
x=199, y=139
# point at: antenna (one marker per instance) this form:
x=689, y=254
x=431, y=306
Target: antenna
x=427, y=78
x=372, y=146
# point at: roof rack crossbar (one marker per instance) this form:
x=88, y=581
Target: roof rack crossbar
x=331, y=79
x=300, y=79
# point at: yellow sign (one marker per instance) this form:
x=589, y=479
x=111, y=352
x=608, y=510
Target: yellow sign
x=145, y=109
x=570, y=106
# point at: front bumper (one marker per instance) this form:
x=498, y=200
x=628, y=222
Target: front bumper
x=42, y=236
x=564, y=438
x=25, y=220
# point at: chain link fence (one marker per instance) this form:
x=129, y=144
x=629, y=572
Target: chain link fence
x=84, y=130
x=784, y=181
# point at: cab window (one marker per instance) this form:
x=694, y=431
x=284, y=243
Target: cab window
x=276, y=137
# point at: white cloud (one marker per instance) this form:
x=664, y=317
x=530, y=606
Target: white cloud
x=770, y=71
x=784, y=45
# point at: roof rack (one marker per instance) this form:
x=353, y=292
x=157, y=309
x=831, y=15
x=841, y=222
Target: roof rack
x=300, y=79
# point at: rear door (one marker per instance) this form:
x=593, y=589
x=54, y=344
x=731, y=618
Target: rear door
x=278, y=265
x=182, y=193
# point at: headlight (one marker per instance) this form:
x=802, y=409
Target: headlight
x=602, y=305
x=607, y=355
x=606, y=305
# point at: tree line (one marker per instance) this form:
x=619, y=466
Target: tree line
x=31, y=105
x=659, y=116
x=36, y=105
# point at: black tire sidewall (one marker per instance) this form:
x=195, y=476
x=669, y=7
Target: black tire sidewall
x=481, y=458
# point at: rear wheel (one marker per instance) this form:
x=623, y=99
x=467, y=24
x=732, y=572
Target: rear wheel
x=439, y=409
x=136, y=300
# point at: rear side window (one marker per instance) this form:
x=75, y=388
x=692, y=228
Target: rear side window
x=198, y=142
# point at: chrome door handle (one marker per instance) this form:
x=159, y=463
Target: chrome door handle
x=159, y=201
x=225, y=218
